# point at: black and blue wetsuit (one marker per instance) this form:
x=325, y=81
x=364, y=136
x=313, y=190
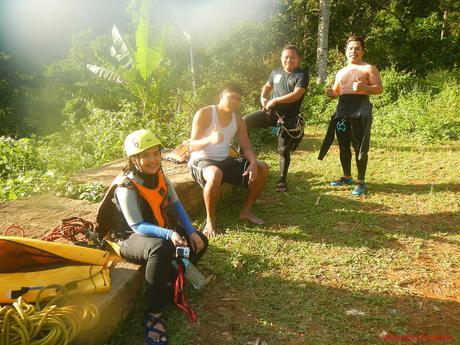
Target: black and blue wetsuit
x=351, y=122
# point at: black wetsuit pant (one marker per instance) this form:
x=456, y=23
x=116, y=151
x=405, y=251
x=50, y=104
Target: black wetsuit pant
x=350, y=129
x=156, y=254
x=263, y=119
x=348, y=132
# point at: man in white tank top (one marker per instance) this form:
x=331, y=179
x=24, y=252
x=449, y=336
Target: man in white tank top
x=213, y=130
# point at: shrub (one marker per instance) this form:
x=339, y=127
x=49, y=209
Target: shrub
x=395, y=84
x=18, y=157
x=96, y=139
x=49, y=182
x=428, y=114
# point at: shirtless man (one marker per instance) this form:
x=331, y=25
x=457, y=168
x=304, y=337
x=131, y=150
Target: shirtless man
x=213, y=130
x=352, y=119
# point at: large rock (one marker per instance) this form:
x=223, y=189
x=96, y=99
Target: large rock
x=187, y=189
x=39, y=215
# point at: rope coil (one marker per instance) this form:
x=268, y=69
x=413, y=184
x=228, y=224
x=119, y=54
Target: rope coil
x=76, y=230
x=26, y=324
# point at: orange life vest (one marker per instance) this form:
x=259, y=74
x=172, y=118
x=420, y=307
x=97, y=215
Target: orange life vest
x=156, y=198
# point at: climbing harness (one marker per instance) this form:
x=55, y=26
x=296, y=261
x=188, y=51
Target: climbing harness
x=299, y=129
x=51, y=323
x=179, y=293
x=295, y=133
x=278, y=130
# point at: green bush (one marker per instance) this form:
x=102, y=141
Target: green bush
x=18, y=157
x=94, y=140
x=426, y=112
x=46, y=165
x=424, y=116
x=36, y=182
x=395, y=84
x=317, y=108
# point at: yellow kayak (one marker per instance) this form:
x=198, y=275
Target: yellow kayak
x=27, y=265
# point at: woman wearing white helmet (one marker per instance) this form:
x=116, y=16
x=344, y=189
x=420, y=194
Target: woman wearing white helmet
x=144, y=227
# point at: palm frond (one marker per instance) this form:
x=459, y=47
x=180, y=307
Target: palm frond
x=105, y=73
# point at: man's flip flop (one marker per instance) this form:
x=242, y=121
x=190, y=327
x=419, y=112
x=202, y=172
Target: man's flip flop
x=281, y=187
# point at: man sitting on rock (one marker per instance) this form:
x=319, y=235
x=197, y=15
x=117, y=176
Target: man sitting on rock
x=213, y=130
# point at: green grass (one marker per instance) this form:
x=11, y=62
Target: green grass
x=393, y=255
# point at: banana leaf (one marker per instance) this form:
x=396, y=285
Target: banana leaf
x=120, y=50
x=105, y=73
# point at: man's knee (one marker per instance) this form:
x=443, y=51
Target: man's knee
x=213, y=175
x=255, y=120
x=283, y=151
x=263, y=169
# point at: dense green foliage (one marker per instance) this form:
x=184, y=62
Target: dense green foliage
x=23, y=172
x=75, y=120
x=403, y=34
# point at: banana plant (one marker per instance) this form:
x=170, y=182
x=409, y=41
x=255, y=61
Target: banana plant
x=135, y=70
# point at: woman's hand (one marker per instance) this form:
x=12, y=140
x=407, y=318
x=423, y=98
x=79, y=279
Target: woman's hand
x=177, y=240
x=196, y=242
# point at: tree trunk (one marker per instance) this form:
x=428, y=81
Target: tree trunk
x=192, y=67
x=323, y=34
x=444, y=18
x=188, y=38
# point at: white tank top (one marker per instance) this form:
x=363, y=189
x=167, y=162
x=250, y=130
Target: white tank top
x=219, y=151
